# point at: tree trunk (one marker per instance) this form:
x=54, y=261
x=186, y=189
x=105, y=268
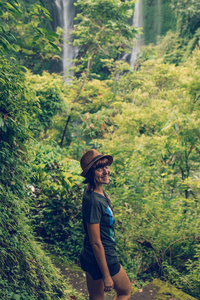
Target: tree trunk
x=77, y=96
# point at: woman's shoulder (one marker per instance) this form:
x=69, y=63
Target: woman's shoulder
x=88, y=193
x=94, y=197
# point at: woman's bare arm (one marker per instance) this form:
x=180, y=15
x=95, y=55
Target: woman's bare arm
x=95, y=240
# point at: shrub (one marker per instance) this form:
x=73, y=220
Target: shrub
x=56, y=200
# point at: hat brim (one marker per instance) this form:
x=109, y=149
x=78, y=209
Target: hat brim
x=110, y=160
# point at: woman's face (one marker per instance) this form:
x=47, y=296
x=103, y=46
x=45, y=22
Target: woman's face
x=101, y=175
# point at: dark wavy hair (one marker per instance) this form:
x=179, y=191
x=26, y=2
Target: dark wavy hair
x=89, y=177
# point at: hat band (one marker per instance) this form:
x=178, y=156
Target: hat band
x=95, y=158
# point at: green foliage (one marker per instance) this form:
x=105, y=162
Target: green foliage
x=148, y=119
x=49, y=95
x=155, y=146
x=173, y=48
x=176, y=46
x=24, y=36
x=13, y=9
x=32, y=104
x=165, y=290
x=158, y=18
x=56, y=200
x=187, y=13
x=15, y=103
x=25, y=270
x=93, y=113
x=91, y=116
x=107, y=35
x=102, y=29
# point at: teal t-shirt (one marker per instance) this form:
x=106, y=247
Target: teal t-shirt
x=95, y=209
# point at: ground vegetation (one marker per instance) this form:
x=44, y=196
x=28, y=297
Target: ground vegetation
x=146, y=117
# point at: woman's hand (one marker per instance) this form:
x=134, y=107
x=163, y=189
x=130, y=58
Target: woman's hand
x=95, y=240
x=108, y=283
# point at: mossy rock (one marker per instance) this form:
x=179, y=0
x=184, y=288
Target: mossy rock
x=159, y=290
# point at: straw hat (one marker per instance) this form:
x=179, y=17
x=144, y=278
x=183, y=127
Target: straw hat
x=90, y=157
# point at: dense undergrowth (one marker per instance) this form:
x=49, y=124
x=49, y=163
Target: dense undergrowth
x=147, y=118
x=153, y=134
x=26, y=272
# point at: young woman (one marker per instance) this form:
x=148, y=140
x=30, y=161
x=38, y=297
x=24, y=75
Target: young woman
x=98, y=256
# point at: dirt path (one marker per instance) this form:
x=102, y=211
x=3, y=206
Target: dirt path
x=153, y=291
x=77, y=279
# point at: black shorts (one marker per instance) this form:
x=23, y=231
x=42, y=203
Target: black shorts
x=94, y=270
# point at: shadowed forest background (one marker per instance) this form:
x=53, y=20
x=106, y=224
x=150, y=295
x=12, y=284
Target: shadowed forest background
x=146, y=117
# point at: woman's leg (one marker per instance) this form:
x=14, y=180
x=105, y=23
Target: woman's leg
x=122, y=285
x=95, y=288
